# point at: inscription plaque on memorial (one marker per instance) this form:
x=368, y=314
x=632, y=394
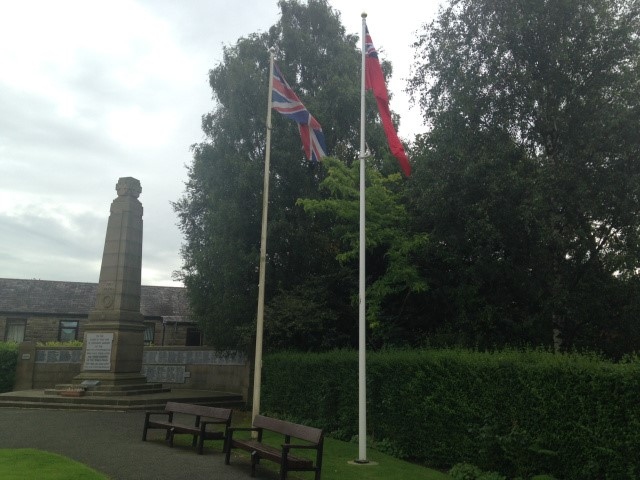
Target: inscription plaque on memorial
x=165, y=373
x=98, y=351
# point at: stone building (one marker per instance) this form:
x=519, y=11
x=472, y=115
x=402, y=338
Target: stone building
x=44, y=311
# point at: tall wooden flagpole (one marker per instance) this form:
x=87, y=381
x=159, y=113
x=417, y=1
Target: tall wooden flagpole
x=257, y=371
x=362, y=355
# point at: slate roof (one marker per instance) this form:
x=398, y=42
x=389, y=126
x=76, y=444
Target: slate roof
x=51, y=297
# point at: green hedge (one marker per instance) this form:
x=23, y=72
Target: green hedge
x=517, y=413
x=8, y=362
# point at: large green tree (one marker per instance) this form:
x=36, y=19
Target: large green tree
x=393, y=270
x=220, y=211
x=530, y=181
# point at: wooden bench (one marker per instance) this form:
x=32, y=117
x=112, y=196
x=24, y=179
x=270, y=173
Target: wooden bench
x=312, y=436
x=204, y=417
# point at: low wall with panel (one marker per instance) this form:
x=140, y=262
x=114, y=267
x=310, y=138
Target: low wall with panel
x=197, y=368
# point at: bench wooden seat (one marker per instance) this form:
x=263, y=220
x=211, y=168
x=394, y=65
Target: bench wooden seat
x=313, y=438
x=204, y=417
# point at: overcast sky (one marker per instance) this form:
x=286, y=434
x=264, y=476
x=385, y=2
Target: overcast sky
x=91, y=91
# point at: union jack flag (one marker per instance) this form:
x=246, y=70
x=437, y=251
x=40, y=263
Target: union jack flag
x=285, y=101
x=369, y=49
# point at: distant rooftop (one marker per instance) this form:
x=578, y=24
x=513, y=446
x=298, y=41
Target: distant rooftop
x=77, y=298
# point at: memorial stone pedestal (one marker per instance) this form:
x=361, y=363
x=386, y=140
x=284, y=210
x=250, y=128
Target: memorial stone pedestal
x=114, y=336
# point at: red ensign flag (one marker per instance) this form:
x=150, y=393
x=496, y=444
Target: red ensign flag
x=374, y=81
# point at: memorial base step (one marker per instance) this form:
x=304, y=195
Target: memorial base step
x=78, y=390
x=148, y=401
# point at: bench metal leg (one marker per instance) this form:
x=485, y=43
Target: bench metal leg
x=200, y=445
x=255, y=459
x=227, y=456
x=146, y=426
x=283, y=467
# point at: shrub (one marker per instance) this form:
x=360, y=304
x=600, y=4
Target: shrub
x=69, y=343
x=8, y=362
x=515, y=412
x=464, y=471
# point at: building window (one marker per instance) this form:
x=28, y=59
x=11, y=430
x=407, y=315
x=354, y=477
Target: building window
x=15, y=330
x=68, y=330
x=149, y=333
x=194, y=337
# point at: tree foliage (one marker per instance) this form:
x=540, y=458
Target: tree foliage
x=393, y=272
x=221, y=209
x=522, y=216
x=535, y=109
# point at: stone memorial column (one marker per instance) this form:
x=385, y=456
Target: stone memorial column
x=114, y=335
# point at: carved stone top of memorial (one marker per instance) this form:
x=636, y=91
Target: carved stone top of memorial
x=114, y=336
x=119, y=285
x=128, y=186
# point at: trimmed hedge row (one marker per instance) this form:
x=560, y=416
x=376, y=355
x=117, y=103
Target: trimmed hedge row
x=8, y=362
x=518, y=413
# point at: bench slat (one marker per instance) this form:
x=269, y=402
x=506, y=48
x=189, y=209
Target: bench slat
x=181, y=428
x=199, y=410
x=202, y=415
x=313, y=437
x=271, y=453
x=310, y=434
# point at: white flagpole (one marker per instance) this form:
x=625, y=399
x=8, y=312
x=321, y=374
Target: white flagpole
x=257, y=371
x=362, y=384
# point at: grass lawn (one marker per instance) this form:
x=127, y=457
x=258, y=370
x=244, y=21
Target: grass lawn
x=336, y=464
x=335, y=460
x=337, y=454
x=27, y=464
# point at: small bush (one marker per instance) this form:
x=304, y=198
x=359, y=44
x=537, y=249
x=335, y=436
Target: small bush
x=491, y=476
x=464, y=471
x=8, y=362
x=70, y=343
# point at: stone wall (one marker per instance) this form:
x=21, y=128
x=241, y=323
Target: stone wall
x=197, y=368
x=46, y=328
x=40, y=328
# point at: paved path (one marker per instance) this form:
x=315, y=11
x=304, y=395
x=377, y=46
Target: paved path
x=110, y=442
